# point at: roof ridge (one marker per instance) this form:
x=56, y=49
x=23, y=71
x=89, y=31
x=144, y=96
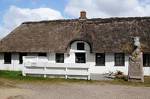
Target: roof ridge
x=92, y=19
x=47, y=21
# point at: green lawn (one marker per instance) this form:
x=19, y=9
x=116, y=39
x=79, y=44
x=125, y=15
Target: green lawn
x=16, y=76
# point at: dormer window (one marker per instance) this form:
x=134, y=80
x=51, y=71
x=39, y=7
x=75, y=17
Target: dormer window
x=80, y=46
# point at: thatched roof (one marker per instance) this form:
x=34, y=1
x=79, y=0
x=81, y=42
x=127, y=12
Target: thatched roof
x=103, y=35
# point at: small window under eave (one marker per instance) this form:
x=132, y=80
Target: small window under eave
x=100, y=59
x=59, y=57
x=21, y=57
x=146, y=60
x=7, y=58
x=42, y=54
x=119, y=59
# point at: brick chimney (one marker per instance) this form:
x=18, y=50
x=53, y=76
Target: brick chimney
x=83, y=15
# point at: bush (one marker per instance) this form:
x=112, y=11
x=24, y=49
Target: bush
x=120, y=75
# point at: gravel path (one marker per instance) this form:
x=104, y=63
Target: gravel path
x=74, y=91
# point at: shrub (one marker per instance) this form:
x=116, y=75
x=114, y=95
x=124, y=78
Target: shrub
x=120, y=75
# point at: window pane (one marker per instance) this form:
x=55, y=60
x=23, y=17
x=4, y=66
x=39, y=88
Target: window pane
x=80, y=58
x=146, y=60
x=21, y=57
x=80, y=46
x=59, y=58
x=100, y=59
x=119, y=59
x=41, y=54
x=7, y=58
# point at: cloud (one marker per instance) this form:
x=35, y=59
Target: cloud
x=108, y=8
x=14, y=16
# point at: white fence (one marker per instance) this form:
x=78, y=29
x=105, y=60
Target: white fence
x=40, y=66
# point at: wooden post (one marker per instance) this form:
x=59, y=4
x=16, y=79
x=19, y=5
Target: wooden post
x=66, y=75
x=23, y=73
x=44, y=71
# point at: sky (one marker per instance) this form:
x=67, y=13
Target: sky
x=14, y=12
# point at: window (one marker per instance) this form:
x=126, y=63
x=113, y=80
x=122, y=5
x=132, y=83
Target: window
x=80, y=46
x=41, y=54
x=119, y=59
x=80, y=58
x=146, y=60
x=100, y=59
x=59, y=58
x=21, y=57
x=7, y=58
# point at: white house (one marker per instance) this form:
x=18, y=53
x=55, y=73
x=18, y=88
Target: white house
x=76, y=47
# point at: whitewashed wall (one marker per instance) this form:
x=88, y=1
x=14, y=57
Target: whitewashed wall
x=146, y=71
x=90, y=59
x=110, y=65
x=14, y=63
x=51, y=57
x=70, y=58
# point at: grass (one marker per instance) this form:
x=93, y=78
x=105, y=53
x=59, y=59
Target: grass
x=16, y=76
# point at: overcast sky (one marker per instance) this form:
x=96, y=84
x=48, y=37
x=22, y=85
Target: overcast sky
x=14, y=12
